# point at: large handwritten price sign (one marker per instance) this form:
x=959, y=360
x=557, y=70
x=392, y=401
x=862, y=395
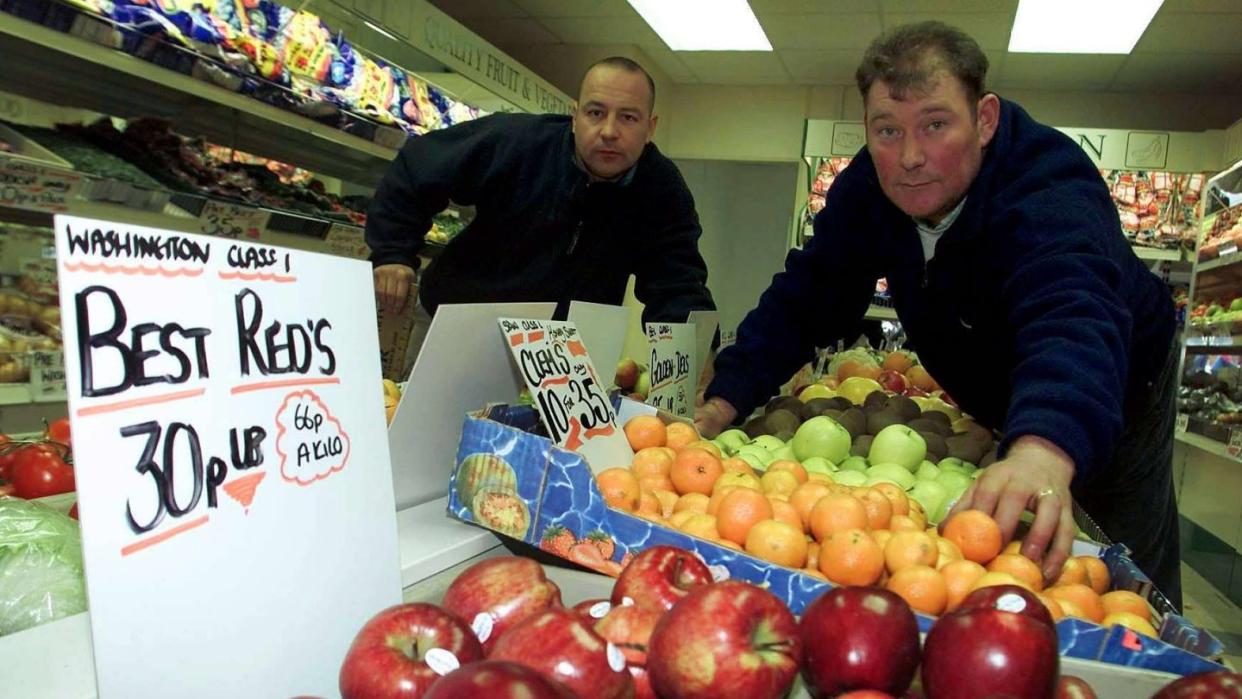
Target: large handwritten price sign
x=567, y=390
x=231, y=459
x=673, y=377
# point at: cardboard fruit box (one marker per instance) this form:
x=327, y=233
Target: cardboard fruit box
x=516, y=482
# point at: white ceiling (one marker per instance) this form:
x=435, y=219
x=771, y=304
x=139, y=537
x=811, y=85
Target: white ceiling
x=1192, y=46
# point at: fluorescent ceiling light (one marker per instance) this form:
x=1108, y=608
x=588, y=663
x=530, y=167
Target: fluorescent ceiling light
x=1078, y=26
x=704, y=25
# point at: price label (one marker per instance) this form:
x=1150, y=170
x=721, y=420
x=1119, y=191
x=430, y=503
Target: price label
x=24, y=186
x=232, y=220
x=347, y=241
x=567, y=390
x=1229, y=250
x=672, y=348
x=1235, y=442
x=47, y=376
x=1183, y=420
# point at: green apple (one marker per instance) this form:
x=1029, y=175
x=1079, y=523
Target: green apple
x=927, y=471
x=724, y=448
x=732, y=440
x=955, y=483
x=933, y=497
x=764, y=456
x=768, y=442
x=785, y=453
x=891, y=472
x=818, y=464
x=951, y=463
x=754, y=461
x=850, y=478
x=854, y=463
x=821, y=436
x=898, y=444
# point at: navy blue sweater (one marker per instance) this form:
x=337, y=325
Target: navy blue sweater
x=1034, y=314
x=541, y=232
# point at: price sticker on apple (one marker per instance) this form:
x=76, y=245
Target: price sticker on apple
x=568, y=393
x=599, y=610
x=441, y=661
x=1235, y=442
x=483, y=625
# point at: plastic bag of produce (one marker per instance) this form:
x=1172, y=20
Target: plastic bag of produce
x=40, y=565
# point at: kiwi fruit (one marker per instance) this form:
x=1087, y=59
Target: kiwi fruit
x=906, y=408
x=861, y=446
x=936, y=447
x=781, y=420
x=784, y=435
x=966, y=447
x=815, y=406
x=939, y=417
x=783, y=403
x=854, y=421
x=841, y=402
x=924, y=425
x=753, y=427
x=879, y=420
x=875, y=401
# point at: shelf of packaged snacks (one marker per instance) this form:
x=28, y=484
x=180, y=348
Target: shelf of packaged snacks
x=880, y=313
x=64, y=69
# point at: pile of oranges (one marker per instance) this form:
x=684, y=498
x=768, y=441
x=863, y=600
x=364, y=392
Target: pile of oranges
x=846, y=535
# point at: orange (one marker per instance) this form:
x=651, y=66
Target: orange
x=896, y=496
x=959, y=579
x=1070, y=609
x=804, y=498
x=1014, y=546
x=680, y=435
x=907, y=549
x=668, y=501
x=833, y=513
x=702, y=526
x=1083, y=597
x=949, y=552
x=1097, y=573
x=713, y=504
x=898, y=361
x=817, y=477
x=797, y=469
x=692, y=502
x=812, y=555
x=881, y=536
x=850, y=557
x=777, y=542
x=903, y=523
x=695, y=471
x=814, y=572
x=922, y=588
x=879, y=509
x=677, y=519
x=652, y=461
x=654, y=483
x=737, y=480
x=779, y=482
x=672, y=453
x=648, y=504
x=1020, y=567
x=736, y=465
x=645, y=431
x=778, y=496
x=920, y=379
x=739, y=510
x=1054, y=607
x=707, y=447
x=1072, y=572
x=919, y=518
x=976, y=534
x=619, y=488
x=782, y=511
x=730, y=545
x=1125, y=601
x=1130, y=621
x=989, y=579
x=652, y=517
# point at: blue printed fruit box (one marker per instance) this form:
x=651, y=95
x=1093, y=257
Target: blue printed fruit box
x=517, y=483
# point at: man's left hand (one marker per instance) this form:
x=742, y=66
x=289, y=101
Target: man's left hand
x=1035, y=475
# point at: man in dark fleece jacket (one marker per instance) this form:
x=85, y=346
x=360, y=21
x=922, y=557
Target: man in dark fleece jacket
x=1007, y=266
x=567, y=208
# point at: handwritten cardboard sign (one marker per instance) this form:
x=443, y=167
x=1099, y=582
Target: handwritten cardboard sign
x=567, y=391
x=26, y=186
x=47, y=376
x=232, y=464
x=672, y=367
x=225, y=220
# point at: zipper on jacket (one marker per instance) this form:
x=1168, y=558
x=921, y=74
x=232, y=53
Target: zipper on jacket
x=573, y=240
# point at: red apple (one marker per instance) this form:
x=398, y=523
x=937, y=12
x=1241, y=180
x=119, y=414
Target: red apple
x=593, y=609
x=1070, y=687
x=660, y=576
x=507, y=589
x=627, y=374
x=865, y=693
x=726, y=640
x=892, y=381
x=988, y=652
x=1008, y=598
x=914, y=392
x=560, y=644
x=389, y=656
x=1220, y=684
x=629, y=629
x=497, y=678
x=859, y=638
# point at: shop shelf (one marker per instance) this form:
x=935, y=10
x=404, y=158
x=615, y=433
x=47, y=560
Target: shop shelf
x=61, y=68
x=1145, y=253
x=1207, y=444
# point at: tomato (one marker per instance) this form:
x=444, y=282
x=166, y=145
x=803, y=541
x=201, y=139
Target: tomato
x=39, y=471
x=6, y=459
x=58, y=431
x=73, y=511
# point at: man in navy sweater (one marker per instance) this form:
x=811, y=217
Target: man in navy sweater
x=567, y=208
x=1007, y=266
